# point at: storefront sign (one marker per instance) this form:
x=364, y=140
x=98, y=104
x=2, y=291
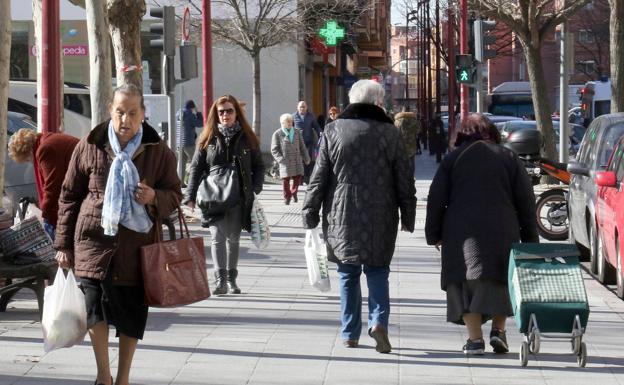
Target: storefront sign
x=68, y=50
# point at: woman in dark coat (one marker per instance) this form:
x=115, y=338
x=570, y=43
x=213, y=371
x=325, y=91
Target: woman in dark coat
x=227, y=138
x=480, y=202
x=121, y=180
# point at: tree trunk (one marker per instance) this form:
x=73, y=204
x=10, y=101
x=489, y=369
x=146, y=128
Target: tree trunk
x=257, y=93
x=5, y=58
x=124, y=18
x=36, y=10
x=99, y=61
x=616, y=33
x=541, y=105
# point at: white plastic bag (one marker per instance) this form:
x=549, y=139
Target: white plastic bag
x=316, y=259
x=31, y=211
x=260, y=232
x=64, y=319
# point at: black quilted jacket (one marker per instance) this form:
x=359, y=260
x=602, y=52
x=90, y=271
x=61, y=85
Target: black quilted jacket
x=362, y=179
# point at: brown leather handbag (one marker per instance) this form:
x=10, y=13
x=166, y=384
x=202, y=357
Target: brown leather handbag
x=174, y=272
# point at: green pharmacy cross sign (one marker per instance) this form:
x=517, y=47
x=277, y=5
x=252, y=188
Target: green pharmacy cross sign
x=332, y=32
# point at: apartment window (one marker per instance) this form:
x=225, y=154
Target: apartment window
x=587, y=67
x=586, y=36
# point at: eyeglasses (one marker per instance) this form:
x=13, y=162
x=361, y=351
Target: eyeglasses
x=226, y=111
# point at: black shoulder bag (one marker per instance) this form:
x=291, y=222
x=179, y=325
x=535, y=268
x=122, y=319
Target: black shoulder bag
x=220, y=189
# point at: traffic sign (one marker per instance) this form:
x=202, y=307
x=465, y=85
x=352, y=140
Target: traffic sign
x=186, y=24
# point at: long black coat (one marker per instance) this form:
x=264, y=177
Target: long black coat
x=478, y=205
x=362, y=179
x=218, y=152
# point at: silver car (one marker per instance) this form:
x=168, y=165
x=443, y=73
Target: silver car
x=598, y=143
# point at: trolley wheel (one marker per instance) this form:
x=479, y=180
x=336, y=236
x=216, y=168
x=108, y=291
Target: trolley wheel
x=576, y=344
x=535, y=340
x=524, y=354
x=581, y=357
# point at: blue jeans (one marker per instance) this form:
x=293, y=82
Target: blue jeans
x=351, y=298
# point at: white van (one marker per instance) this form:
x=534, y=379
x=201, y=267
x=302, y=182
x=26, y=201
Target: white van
x=76, y=100
x=595, y=100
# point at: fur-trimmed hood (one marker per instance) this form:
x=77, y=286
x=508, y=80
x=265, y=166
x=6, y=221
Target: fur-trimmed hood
x=365, y=111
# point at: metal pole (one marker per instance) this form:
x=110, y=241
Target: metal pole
x=206, y=58
x=479, y=86
x=429, y=73
x=406, y=57
x=438, y=47
x=564, y=127
x=51, y=66
x=463, y=49
x=451, y=72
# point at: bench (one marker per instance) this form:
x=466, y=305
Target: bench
x=31, y=277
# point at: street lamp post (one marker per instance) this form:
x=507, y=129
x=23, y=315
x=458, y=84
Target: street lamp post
x=409, y=16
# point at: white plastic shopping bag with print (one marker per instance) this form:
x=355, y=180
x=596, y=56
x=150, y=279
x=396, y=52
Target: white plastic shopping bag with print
x=260, y=232
x=64, y=319
x=316, y=259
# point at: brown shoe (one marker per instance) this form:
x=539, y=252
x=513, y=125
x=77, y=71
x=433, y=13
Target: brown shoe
x=350, y=343
x=380, y=335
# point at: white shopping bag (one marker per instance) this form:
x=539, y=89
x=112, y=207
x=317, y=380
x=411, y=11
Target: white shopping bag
x=64, y=319
x=260, y=232
x=316, y=259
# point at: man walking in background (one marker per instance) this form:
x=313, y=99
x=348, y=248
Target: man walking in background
x=189, y=119
x=311, y=132
x=363, y=180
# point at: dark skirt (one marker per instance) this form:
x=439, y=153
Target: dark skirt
x=486, y=297
x=121, y=306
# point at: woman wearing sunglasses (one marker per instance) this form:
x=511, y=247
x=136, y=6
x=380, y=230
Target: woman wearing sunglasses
x=227, y=138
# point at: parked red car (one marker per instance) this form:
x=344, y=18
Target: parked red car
x=610, y=219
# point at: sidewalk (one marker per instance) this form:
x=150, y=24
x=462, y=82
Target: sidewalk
x=282, y=331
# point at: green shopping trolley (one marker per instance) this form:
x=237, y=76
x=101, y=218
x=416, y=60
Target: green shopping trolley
x=548, y=296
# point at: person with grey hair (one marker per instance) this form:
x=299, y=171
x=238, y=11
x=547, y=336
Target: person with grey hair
x=363, y=180
x=290, y=152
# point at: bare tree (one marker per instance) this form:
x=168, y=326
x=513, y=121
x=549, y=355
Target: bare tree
x=5, y=62
x=617, y=55
x=532, y=21
x=99, y=58
x=124, y=20
x=254, y=26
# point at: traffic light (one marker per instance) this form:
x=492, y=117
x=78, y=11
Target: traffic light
x=464, y=70
x=166, y=29
x=482, y=39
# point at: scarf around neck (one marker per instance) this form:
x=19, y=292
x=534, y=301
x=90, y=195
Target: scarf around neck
x=290, y=133
x=120, y=207
x=229, y=132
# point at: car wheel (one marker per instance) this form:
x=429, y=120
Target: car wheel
x=593, y=257
x=605, y=273
x=619, y=273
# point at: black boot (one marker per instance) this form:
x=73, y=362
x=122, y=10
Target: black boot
x=220, y=284
x=231, y=282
